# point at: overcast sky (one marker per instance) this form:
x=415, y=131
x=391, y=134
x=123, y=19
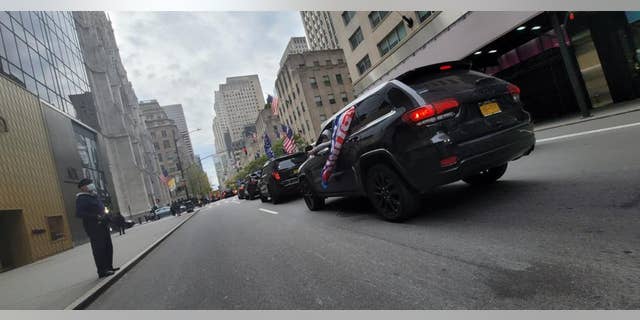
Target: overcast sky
x=182, y=57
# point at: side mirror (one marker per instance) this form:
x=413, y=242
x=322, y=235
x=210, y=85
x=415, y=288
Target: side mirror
x=308, y=148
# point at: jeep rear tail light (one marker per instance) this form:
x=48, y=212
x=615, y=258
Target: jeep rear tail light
x=514, y=91
x=430, y=112
x=276, y=175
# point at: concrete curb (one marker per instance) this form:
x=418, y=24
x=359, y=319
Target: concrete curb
x=86, y=299
x=587, y=119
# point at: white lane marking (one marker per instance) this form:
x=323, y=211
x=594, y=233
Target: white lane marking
x=589, y=132
x=268, y=211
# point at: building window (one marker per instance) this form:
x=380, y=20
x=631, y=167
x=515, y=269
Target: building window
x=56, y=227
x=316, y=63
x=297, y=88
x=326, y=81
x=323, y=117
x=340, y=61
x=332, y=98
x=339, y=78
x=166, y=144
x=392, y=39
x=343, y=96
x=313, y=82
x=423, y=15
x=328, y=62
x=356, y=38
x=160, y=157
x=156, y=146
x=375, y=17
x=347, y=16
x=318, y=100
x=363, y=65
x=164, y=133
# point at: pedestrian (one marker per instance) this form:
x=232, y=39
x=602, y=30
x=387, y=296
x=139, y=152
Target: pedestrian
x=139, y=220
x=90, y=208
x=121, y=223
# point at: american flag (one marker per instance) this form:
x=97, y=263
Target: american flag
x=164, y=177
x=288, y=143
x=340, y=130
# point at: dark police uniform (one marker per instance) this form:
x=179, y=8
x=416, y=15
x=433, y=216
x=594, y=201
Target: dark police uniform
x=89, y=207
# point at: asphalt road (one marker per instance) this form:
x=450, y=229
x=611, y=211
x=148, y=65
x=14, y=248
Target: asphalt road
x=561, y=230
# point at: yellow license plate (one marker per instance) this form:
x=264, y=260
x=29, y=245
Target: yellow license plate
x=490, y=108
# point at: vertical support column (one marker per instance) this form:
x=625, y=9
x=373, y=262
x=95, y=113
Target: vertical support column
x=570, y=65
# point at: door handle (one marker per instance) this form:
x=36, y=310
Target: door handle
x=353, y=139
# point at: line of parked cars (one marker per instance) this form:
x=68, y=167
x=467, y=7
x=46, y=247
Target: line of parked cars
x=428, y=127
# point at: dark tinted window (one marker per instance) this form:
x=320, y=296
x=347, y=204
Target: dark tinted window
x=291, y=162
x=399, y=98
x=368, y=110
x=456, y=80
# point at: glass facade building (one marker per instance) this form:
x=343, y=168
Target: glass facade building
x=41, y=50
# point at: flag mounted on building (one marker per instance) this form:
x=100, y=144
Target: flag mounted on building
x=267, y=146
x=274, y=105
x=164, y=177
x=172, y=184
x=288, y=143
x=340, y=130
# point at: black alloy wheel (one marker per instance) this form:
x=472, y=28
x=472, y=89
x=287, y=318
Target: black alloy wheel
x=390, y=195
x=311, y=199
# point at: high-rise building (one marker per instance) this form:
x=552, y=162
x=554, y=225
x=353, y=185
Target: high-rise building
x=321, y=35
x=311, y=87
x=170, y=149
x=136, y=172
x=295, y=45
x=175, y=113
x=41, y=50
x=237, y=103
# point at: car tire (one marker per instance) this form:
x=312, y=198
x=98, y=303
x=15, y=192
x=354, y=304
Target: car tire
x=263, y=198
x=311, y=199
x=486, y=176
x=275, y=198
x=390, y=195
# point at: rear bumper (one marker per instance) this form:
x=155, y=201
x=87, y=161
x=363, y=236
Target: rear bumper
x=474, y=156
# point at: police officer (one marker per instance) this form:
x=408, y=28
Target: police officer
x=96, y=224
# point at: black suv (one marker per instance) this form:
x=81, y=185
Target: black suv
x=428, y=127
x=280, y=177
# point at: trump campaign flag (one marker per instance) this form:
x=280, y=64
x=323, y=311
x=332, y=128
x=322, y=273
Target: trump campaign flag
x=340, y=131
x=267, y=146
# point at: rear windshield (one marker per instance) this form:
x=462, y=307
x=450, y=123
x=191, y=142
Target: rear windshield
x=291, y=162
x=456, y=80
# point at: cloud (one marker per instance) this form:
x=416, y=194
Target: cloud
x=182, y=57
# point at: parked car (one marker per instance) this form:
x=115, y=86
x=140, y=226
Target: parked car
x=251, y=188
x=428, y=127
x=162, y=212
x=228, y=193
x=241, y=190
x=128, y=224
x=280, y=177
x=190, y=207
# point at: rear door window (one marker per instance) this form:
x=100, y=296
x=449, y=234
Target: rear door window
x=368, y=110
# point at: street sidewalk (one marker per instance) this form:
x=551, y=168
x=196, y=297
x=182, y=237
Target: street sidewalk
x=57, y=281
x=596, y=113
